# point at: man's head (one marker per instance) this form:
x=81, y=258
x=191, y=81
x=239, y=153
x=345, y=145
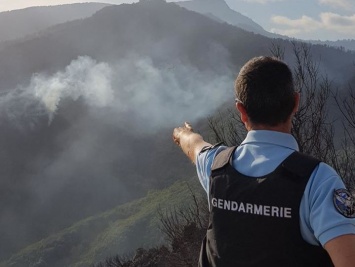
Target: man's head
x=265, y=89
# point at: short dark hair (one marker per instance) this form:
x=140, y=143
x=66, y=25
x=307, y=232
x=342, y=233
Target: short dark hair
x=265, y=87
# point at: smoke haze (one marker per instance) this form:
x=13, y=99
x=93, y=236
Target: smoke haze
x=87, y=110
x=84, y=127
x=155, y=97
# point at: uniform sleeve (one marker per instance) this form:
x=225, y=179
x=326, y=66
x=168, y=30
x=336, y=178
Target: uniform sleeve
x=203, y=165
x=321, y=220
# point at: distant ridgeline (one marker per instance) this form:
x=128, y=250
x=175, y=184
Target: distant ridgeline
x=87, y=109
x=152, y=1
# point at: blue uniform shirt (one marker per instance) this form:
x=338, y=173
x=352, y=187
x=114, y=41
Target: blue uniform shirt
x=259, y=154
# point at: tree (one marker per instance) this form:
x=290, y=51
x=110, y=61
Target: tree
x=311, y=125
x=226, y=127
x=346, y=104
x=185, y=229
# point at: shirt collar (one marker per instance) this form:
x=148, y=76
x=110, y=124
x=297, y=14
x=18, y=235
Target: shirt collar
x=271, y=137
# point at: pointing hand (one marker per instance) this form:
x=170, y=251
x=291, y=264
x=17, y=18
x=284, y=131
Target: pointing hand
x=187, y=128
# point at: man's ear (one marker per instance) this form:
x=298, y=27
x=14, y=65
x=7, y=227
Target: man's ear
x=243, y=113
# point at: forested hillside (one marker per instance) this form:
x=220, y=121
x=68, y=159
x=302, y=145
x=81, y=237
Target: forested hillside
x=88, y=106
x=122, y=229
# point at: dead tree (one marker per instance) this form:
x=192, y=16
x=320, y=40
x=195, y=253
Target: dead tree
x=184, y=229
x=346, y=105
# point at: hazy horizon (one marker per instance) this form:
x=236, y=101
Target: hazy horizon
x=303, y=19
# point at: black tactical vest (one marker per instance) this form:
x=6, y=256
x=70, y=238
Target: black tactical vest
x=254, y=222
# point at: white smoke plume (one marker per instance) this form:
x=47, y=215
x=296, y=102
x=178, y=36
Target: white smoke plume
x=84, y=77
x=160, y=95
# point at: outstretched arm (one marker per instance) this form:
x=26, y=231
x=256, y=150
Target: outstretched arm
x=190, y=142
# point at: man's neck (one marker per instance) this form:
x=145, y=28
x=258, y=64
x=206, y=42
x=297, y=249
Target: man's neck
x=282, y=127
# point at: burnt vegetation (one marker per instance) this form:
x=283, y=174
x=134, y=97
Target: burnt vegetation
x=38, y=201
x=183, y=228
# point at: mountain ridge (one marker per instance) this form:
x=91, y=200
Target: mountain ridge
x=84, y=158
x=24, y=22
x=221, y=10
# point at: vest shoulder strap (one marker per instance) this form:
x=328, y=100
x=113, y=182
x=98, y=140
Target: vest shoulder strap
x=223, y=158
x=300, y=164
x=297, y=163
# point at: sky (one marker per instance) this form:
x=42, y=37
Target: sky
x=304, y=19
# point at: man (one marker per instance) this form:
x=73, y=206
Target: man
x=270, y=205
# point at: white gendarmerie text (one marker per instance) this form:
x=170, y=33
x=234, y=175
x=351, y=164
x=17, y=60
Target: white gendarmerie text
x=263, y=210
